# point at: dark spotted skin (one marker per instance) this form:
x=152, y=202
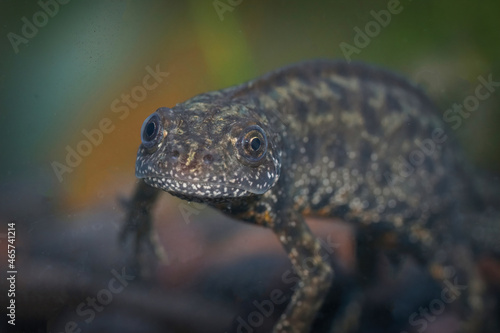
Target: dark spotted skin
x=334, y=138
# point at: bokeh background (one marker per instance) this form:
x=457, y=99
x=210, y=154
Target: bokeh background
x=64, y=78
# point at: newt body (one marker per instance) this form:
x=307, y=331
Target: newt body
x=318, y=138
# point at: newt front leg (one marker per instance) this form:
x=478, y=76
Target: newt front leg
x=138, y=224
x=303, y=249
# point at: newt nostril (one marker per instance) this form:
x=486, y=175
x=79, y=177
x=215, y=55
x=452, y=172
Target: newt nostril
x=208, y=159
x=175, y=155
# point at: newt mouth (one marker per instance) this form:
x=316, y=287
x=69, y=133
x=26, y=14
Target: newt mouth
x=196, y=188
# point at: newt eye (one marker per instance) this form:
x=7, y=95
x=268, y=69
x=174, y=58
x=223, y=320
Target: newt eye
x=255, y=143
x=252, y=144
x=151, y=131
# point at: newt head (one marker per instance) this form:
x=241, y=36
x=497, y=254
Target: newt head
x=205, y=150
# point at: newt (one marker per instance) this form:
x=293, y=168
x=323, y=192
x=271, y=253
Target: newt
x=318, y=138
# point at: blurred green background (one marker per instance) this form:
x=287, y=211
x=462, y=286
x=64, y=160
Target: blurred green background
x=64, y=77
